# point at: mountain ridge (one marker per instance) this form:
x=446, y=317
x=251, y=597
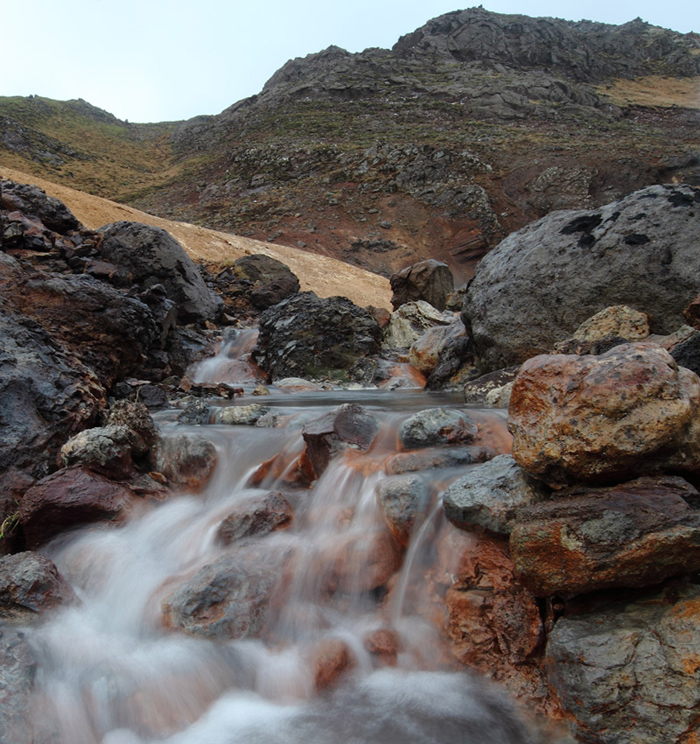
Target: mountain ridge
x=468, y=128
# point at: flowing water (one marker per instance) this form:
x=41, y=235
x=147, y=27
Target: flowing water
x=347, y=653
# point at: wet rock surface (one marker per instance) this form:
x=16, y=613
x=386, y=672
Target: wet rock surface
x=306, y=336
x=70, y=498
x=347, y=427
x=30, y=585
x=186, y=460
x=230, y=598
x=409, y=322
x=17, y=674
x=435, y=426
x=256, y=515
x=597, y=419
x=542, y=282
x=403, y=501
x=491, y=496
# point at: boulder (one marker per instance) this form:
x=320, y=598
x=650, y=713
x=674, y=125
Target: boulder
x=70, y=498
x=135, y=415
x=407, y=324
x=153, y=256
x=403, y=500
x=29, y=586
x=626, y=672
x=34, y=201
x=437, y=426
x=618, y=320
x=456, y=363
x=273, y=292
x=231, y=597
x=255, y=516
x=347, y=427
x=632, y=535
x=186, y=460
x=46, y=396
x=260, y=270
x=107, y=450
x=240, y=415
x=111, y=333
x=538, y=285
x=599, y=419
x=491, y=495
x=429, y=280
x=425, y=352
x=307, y=336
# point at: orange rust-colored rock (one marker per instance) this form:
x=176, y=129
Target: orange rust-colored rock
x=599, y=419
x=332, y=658
x=633, y=535
x=492, y=621
x=383, y=644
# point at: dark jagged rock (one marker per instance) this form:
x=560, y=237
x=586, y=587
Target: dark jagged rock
x=542, y=282
x=46, y=396
x=307, y=336
x=583, y=50
x=429, y=280
x=153, y=256
x=33, y=200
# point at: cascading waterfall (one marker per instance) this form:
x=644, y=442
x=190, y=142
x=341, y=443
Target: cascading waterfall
x=111, y=671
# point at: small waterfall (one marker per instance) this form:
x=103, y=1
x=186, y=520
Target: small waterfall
x=342, y=657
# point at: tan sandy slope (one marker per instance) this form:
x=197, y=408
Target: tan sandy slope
x=323, y=275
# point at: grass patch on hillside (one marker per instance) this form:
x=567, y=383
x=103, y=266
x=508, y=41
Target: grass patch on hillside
x=655, y=91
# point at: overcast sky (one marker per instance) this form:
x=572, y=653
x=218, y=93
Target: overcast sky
x=161, y=60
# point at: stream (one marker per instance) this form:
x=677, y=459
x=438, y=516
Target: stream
x=345, y=651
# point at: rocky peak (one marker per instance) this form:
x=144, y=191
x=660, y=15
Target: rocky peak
x=585, y=51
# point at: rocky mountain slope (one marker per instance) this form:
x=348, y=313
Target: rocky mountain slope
x=467, y=129
x=323, y=275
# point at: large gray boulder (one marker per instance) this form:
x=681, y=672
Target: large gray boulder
x=542, y=282
x=153, y=256
x=627, y=673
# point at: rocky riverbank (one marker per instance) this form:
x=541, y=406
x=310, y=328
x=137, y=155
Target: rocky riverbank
x=566, y=566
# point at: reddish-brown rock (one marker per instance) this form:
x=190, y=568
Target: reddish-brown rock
x=599, y=419
x=70, y=498
x=256, y=515
x=29, y=585
x=384, y=645
x=331, y=659
x=632, y=535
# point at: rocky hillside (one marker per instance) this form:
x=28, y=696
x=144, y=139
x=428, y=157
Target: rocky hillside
x=467, y=129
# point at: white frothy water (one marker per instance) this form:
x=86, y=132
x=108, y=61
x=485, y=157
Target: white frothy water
x=111, y=671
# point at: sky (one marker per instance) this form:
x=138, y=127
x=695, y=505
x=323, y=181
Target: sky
x=166, y=60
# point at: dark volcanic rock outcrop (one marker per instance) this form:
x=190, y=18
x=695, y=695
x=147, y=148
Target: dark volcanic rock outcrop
x=308, y=336
x=152, y=256
x=543, y=281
